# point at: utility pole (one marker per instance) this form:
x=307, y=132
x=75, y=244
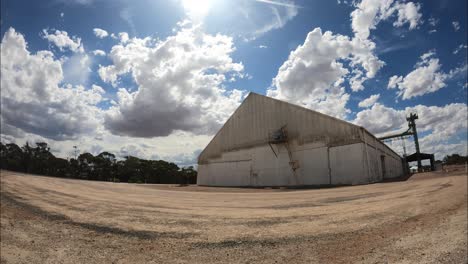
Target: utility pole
x=75, y=151
x=412, y=125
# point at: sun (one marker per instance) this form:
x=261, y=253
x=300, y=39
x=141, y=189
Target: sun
x=197, y=9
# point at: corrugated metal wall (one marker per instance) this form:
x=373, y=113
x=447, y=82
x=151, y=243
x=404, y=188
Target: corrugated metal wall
x=258, y=116
x=327, y=150
x=393, y=166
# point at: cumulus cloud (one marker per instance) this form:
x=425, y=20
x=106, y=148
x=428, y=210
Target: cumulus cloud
x=184, y=159
x=425, y=78
x=99, y=52
x=180, y=84
x=456, y=25
x=123, y=36
x=442, y=123
x=130, y=150
x=76, y=68
x=441, y=120
x=369, y=13
x=32, y=98
x=443, y=149
x=370, y=101
x=394, y=81
x=314, y=73
x=180, y=147
x=100, y=33
x=63, y=41
x=408, y=13
x=380, y=119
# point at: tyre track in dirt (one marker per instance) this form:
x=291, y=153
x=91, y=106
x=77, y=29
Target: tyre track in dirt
x=422, y=220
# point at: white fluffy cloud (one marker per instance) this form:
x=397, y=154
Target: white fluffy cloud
x=63, y=41
x=76, y=68
x=180, y=84
x=99, y=52
x=100, y=33
x=314, y=73
x=408, y=13
x=369, y=13
x=370, y=101
x=441, y=122
x=427, y=77
x=442, y=149
x=180, y=147
x=444, y=121
x=123, y=36
x=380, y=119
x=33, y=99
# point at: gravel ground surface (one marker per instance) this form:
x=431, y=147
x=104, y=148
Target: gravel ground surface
x=51, y=220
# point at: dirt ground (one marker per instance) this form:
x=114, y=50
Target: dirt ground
x=51, y=220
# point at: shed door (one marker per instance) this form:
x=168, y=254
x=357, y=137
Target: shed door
x=232, y=173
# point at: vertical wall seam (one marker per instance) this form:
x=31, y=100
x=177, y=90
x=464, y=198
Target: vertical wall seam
x=367, y=156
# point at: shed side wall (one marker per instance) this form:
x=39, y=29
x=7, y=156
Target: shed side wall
x=259, y=116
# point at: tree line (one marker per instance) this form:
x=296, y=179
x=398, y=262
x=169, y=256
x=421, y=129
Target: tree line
x=455, y=159
x=104, y=167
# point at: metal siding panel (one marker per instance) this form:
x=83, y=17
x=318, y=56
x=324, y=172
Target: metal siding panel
x=249, y=126
x=346, y=165
x=314, y=166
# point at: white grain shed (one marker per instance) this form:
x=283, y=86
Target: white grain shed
x=268, y=142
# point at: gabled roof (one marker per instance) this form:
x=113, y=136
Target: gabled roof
x=258, y=115
x=302, y=108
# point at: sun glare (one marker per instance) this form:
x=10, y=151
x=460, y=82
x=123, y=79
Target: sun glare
x=197, y=9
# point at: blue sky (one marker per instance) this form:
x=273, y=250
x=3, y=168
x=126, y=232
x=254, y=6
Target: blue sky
x=326, y=55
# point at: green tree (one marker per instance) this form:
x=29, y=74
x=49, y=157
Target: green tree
x=103, y=167
x=455, y=159
x=11, y=156
x=189, y=175
x=86, y=164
